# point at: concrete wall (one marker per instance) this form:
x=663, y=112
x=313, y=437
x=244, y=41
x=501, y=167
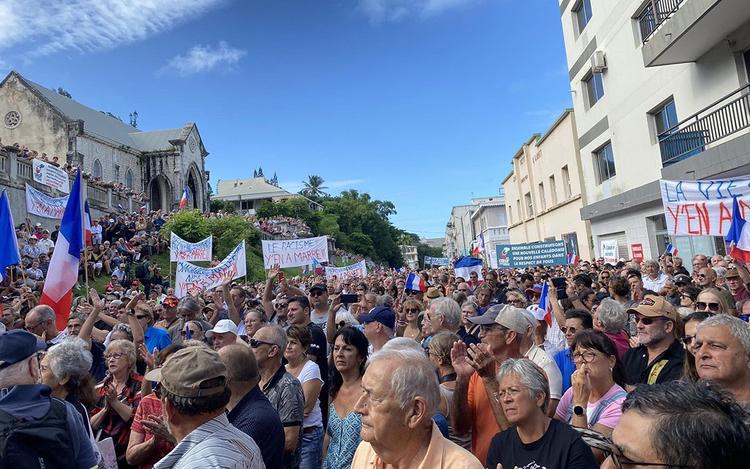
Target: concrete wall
x=109, y=156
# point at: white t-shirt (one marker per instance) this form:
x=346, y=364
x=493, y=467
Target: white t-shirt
x=319, y=319
x=538, y=356
x=312, y=371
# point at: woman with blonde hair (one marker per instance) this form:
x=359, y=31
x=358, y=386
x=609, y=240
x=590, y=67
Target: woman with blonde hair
x=408, y=324
x=712, y=301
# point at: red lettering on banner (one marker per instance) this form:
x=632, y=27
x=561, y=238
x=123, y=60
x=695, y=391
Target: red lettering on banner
x=724, y=215
x=704, y=220
x=676, y=216
x=743, y=207
x=689, y=217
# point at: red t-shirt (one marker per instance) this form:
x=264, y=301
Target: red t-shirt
x=150, y=406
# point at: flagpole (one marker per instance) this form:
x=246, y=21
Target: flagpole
x=86, y=267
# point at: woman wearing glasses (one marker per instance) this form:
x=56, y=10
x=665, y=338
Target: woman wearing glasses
x=469, y=309
x=409, y=324
x=691, y=322
x=712, y=301
x=117, y=397
x=594, y=400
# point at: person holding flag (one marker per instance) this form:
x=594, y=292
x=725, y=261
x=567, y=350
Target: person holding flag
x=62, y=274
x=9, y=254
x=184, y=198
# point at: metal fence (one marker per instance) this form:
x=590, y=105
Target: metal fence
x=654, y=14
x=729, y=115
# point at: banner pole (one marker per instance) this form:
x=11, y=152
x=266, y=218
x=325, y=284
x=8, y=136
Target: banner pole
x=86, y=267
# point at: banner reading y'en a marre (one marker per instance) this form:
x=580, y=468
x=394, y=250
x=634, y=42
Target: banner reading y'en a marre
x=294, y=252
x=191, y=278
x=703, y=208
x=181, y=250
x=51, y=176
x=39, y=203
x=358, y=270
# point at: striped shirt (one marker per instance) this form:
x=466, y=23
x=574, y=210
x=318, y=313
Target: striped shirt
x=216, y=444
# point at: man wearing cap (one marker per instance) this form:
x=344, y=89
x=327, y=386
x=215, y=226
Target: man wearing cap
x=379, y=326
x=736, y=284
x=659, y=357
x=224, y=333
x=45, y=244
x=194, y=393
x=319, y=303
x=169, y=315
x=62, y=439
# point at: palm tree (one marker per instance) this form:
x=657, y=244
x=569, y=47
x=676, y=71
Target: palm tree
x=313, y=187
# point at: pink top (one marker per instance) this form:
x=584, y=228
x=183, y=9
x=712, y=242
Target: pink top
x=609, y=417
x=621, y=342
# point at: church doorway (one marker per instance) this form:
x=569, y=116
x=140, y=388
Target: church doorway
x=159, y=194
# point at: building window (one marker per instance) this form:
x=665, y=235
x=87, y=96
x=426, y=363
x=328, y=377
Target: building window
x=97, y=171
x=566, y=182
x=12, y=119
x=117, y=173
x=129, y=179
x=542, y=201
x=582, y=14
x=604, y=162
x=510, y=214
x=594, y=85
x=665, y=117
x=518, y=210
x=529, y=205
x=553, y=189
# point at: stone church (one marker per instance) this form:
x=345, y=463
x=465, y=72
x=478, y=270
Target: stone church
x=159, y=163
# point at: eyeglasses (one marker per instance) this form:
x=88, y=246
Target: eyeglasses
x=255, y=343
x=516, y=301
x=411, y=310
x=646, y=321
x=571, y=329
x=30, y=328
x=282, y=305
x=115, y=355
x=584, y=357
x=703, y=306
x=317, y=293
x=687, y=340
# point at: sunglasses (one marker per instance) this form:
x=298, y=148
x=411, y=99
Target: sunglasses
x=565, y=330
x=141, y=316
x=255, y=343
x=282, y=305
x=687, y=340
x=703, y=306
x=317, y=293
x=411, y=310
x=646, y=321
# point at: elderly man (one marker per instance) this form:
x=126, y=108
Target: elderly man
x=401, y=394
x=40, y=321
x=722, y=355
x=654, y=280
x=659, y=357
x=705, y=278
x=445, y=315
x=379, y=325
x=194, y=393
x=188, y=309
x=736, y=283
x=249, y=409
x=680, y=424
x=224, y=333
x=282, y=389
x=48, y=432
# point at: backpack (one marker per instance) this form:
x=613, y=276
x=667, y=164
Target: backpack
x=36, y=443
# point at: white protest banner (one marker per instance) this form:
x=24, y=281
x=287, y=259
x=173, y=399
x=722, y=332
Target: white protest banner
x=39, y=203
x=703, y=208
x=181, y=250
x=50, y=175
x=428, y=260
x=190, y=278
x=609, y=250
x=358, y=270
x=294, y=252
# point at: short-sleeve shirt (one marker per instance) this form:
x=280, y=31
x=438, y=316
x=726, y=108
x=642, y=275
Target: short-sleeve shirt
x=150, y=406
x=284, y=392
x=483, y=423
x=156, y=338
x=565, y=364
x=609, y=416
x=664, y=368
x=309, y=372
x=255, y=416
x=540, y=357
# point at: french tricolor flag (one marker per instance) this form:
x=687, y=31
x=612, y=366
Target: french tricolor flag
x=87, y=224
x=671, y=249
x=184, y=199
x=63, y=267
x=738, y=236
x=544, y=312
x=415, y=282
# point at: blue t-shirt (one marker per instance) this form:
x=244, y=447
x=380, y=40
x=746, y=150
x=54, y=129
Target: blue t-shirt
x=564, y=360
x=33, y=401
x=156, y=338
x=255, y=416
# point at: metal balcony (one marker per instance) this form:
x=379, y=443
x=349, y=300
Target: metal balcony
x=654, y=14
x=725, y=117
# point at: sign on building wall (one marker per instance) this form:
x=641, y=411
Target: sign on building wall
x=637, y=252
x=530, y=254
x=703, y=208
x=609, y=250
x=294, y=252
x=51, y=176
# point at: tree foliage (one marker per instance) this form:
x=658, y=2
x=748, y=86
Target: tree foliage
x=222, y=206
x=313, y=187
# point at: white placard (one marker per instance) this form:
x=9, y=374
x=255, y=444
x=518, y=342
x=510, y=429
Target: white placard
x=294, y=252
x=51, y=176
x=190, y=278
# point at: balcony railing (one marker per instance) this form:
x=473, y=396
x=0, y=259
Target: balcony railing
x=654, y=14
x=24, y=169
x=729, y=115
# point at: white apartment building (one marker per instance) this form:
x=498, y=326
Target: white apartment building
x=660, y=90
x=483, y=216
x=543, y=191
x=409, y=253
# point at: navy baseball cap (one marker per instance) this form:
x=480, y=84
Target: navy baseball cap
x=319, y=286
x=382, y=314
x=18, y=345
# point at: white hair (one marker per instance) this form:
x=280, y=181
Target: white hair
x=612, y=315
x=737, y=327
x=449, y=309
x=413, y=375
x=15, y=374
x=345, y=316
x=402, y=343
x=530, y=376
x=69, y=359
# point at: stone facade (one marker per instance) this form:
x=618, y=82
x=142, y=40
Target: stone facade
x=159, y=163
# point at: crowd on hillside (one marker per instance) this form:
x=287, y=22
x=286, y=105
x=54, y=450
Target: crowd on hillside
x=118, y=188
x=282, y=227
x=636, y=363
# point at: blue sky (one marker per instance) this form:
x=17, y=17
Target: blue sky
x=421, y=102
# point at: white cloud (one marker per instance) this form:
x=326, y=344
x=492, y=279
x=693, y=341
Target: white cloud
x=396, y=10
x=203, y=59
x=42, y=27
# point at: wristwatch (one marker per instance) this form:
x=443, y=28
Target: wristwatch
x=578, y=410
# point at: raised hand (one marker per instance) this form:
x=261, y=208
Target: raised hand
x=460, y=359
x=95, y=300
x=482, y=360
x=146, y=356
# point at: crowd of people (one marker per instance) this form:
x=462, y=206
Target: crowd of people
x=629, y=364
x=282, y=227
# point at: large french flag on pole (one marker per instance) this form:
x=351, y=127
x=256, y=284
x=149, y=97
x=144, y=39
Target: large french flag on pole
x=739, y=235
x=9, y=254
x=466, y=265
x=66, y=258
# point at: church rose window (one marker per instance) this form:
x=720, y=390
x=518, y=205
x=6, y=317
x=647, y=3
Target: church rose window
x=12, y=119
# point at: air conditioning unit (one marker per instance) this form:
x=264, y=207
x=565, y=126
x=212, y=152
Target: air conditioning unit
x=598, y=62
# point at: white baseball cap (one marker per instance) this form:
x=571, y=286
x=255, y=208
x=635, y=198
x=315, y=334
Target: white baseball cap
x=222, y=327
